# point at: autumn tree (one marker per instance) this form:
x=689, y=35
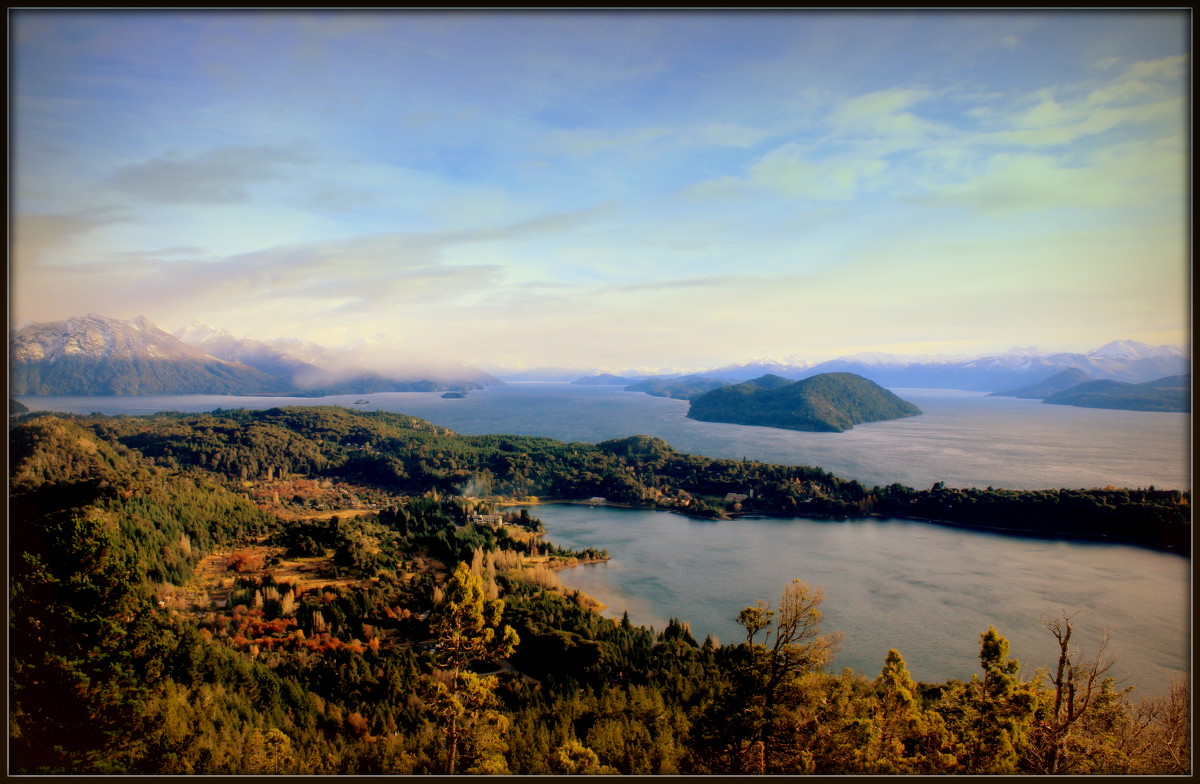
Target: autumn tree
x=743, y=726
x=467, y=628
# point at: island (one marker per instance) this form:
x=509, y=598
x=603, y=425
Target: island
x=603, y=380
x=454, y=394
x=829, y=402
x=683, y=388
x=1059, y=382
x=1171, y=393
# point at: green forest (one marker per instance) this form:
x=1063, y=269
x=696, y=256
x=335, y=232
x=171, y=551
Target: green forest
x=828, y=402
x=326, y=591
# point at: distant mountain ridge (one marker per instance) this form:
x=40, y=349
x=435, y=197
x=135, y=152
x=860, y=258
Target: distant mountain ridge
x=1120, y=360
x=830, y=402
x=97, y=355
x=1059, y=382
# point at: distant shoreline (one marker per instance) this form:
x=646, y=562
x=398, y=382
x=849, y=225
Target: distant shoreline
x=1023, y=533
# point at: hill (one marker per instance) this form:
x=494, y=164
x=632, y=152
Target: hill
x=1172, y=393
x=831, y=402
x=603, y=379
x=684, y=388
x=1059, y=382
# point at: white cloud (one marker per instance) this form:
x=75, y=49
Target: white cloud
x=219, y=175
x=793, y=172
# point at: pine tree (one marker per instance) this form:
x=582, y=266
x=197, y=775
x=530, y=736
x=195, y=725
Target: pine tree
x=467, y=628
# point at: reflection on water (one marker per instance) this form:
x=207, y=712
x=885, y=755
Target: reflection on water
x=927, y=590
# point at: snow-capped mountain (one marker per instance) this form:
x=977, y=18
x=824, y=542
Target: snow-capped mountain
x=789, y=367
x=1121, y=360
x=95, y=355
x=255, y=353
x=1133, y=350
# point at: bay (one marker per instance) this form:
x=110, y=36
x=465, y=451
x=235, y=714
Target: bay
x=965, y=439
x=927, y=590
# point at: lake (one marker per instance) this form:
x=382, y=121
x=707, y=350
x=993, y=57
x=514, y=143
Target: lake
x=927, y=590
x=965, y=439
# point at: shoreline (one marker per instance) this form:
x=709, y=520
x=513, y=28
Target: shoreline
x=1027, y=533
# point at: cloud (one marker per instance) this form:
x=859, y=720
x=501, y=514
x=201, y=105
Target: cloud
x=705, y=282
x=38, y=236
x=1136, y=174
x=362, y=275
x=793, y=171
x=586, y=143
x=217, y=176
x=881, y=113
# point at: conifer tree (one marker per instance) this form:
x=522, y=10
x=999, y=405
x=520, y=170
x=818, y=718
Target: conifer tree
x=467, y=628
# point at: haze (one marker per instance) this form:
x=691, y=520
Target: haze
x=617, y=189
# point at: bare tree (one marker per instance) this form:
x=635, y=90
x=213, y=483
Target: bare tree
x=793, y=646
x=1080, y=691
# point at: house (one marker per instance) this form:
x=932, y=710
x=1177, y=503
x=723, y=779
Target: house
x=492, y=519
x=735, y=497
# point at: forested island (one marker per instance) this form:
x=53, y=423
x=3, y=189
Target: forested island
x=1173, y=393
x=829, y=402
x=1059, y=382
x=324, y=590
x=682, y=388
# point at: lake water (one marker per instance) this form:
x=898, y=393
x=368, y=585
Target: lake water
x=929, y=591
x=926, y=590
x=964, y=439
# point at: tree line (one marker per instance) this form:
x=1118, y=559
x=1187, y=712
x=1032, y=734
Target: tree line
x=472, y=666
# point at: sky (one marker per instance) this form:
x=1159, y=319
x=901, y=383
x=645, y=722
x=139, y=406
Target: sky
x=608, y=189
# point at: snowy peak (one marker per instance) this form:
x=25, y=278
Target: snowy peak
x=1120, y=360
x=1133, y=350
x=99, y=337
x=95, y=355
x=198, y=332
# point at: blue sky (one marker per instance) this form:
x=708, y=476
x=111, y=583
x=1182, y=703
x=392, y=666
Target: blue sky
x=610, y=189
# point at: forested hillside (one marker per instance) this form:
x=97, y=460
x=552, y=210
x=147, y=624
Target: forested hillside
x=829, y=402
x=318, y=590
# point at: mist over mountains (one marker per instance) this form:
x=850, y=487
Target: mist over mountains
x=97, y=355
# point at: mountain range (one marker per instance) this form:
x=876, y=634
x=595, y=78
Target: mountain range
x=97, y=355
x=1122, y=360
